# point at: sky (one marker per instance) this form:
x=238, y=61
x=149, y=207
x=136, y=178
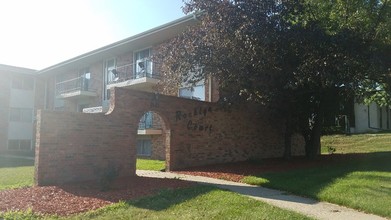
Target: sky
x=40, y=33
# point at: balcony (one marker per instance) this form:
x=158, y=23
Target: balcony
x=148, y=125
x=77, y=88
x=139, y=75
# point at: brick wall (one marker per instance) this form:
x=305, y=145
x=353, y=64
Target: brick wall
x=75, y=146
x=158, y=147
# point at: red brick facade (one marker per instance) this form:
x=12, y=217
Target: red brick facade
x=75, y=147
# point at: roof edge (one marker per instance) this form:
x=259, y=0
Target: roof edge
x=17, y=69
x=121, y=42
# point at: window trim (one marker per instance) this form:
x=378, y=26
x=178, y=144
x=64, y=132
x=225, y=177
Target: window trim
x=19, y=117
x=19, y=144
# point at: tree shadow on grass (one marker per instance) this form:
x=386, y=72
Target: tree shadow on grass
x=168, y=198
x=340, y=172
x=299, y=175
x=144, y=192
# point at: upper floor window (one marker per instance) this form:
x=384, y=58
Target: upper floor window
x=143, y=63
x=21, y=114
x=24, y=83
x=85, y=78
x=195, y=92
x=193, y=87
x=110, y=75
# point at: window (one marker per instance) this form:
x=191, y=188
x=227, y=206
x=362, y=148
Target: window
x=109, y=76
x=21, y=114
x=143, y=67
x=24, y=83
x=144, y=147
x=196, y=92
x=85, y=78
x=19, y=144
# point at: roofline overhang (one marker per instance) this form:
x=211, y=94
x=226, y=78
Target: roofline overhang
x=181, y=23
x=17, y=69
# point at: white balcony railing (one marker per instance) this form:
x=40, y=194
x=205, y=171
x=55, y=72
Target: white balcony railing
x=74, y=86
x=142, y=68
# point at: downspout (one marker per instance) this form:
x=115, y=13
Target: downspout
x=210, y=89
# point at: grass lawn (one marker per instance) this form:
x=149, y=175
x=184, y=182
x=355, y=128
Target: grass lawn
x=361, y=143
x=362, y=182
x=201, y=202
x=147, y=164
x=16, y=173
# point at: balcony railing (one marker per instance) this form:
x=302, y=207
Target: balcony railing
x=74, y=87
x=142, y=68
x=148, y=124
x=146, y=121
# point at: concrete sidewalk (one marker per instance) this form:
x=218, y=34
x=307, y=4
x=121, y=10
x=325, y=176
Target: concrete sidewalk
x=306, y=206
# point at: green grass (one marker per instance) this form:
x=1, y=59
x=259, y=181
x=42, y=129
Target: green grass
x=362, y=182
x=201, y=202
x=358, y=143
x=147, y=164
x=15, y=173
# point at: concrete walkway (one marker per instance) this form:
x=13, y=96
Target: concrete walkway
x=306, y=206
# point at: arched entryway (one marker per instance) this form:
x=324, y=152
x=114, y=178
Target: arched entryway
x=153, y=141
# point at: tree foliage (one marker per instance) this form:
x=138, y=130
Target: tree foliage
x=295, y=56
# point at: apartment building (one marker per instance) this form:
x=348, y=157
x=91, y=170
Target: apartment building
x=18, y=104
x=83, y=83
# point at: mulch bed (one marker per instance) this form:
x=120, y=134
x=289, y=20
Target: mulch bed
x=238, y=170
x=72, y=199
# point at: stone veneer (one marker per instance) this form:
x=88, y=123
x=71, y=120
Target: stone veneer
x=72, y=147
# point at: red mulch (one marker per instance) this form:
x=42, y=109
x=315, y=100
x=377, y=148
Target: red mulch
x=72, y=199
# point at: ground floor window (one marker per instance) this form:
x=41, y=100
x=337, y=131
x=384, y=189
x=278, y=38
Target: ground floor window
x=19, y=144
x=144, y=147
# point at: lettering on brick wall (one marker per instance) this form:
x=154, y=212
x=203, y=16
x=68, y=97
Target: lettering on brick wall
x=195, y=119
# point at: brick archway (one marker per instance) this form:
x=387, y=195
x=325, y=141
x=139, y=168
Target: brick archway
x=153, y=137
x=72, y=147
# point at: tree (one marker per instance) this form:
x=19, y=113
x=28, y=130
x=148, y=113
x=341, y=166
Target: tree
x=294, y=56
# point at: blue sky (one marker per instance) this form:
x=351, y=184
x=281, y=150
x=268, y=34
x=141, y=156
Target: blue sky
x=40, y=33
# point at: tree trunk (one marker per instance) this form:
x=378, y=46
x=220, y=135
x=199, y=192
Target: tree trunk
x=314, y=140
x=288, y=138
x=314, y=148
